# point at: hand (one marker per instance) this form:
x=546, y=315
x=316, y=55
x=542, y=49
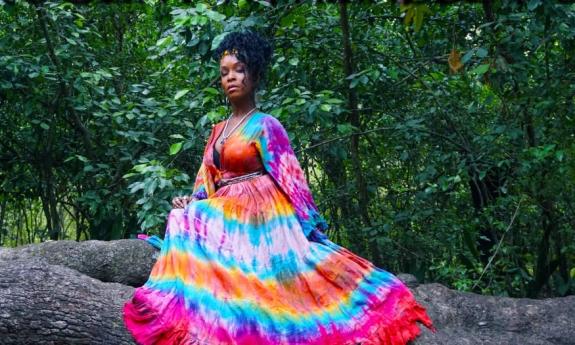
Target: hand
x=182, y=201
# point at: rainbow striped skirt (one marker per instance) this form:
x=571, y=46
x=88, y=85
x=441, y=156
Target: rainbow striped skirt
x=236, y=268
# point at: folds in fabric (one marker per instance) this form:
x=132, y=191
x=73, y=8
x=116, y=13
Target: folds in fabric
x=282, y=164
x=280, y=161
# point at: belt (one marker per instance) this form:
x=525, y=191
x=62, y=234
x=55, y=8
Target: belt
x=241, y=178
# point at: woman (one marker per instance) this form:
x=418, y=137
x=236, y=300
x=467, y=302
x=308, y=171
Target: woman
x=245, y=259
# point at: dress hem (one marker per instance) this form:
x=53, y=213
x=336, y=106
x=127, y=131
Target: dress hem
x=401, y=330
x=398, y=331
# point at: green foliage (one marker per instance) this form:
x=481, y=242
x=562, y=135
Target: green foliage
x=464, y=144
x=155, y=184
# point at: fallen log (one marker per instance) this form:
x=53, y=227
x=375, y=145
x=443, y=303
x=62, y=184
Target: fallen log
x=70, y=292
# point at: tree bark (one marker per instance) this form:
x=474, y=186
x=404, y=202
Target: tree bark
x=355, y=120
x=43, y=300
x=128, y=262
x=50, y=304
x=354, y=117
x=2, y=215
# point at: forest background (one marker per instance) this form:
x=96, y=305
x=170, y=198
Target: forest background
x=437, y=136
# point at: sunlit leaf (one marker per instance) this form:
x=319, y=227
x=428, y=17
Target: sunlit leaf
x=181, y=94
x=176, y=147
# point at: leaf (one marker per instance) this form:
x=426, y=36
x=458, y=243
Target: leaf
x=481, y=69
x=409, y=15
x=454, y=61
x=482, y=174
x=420, y=12
x=217, y=40
x=482, y=52
x=175, y=148
x=286, y=21
x=215, y=16
x=104, y=73
x=325, y=107
x=300, y=20
x=533, y=4
x=211, y=91
x=136, y=186
x=353, y=83
x=345, y=128
x=467, y=56
x=180, y=94
x=82, y=158
x=263, y=3
x=162, y=42
x=404, y=156
x=71, y=41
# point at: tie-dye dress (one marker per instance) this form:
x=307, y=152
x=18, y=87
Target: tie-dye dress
x=250, y=263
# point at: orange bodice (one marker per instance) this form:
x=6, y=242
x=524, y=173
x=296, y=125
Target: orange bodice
x=238, y=156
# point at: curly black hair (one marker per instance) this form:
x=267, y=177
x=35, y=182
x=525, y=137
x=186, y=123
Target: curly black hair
x=253, y=50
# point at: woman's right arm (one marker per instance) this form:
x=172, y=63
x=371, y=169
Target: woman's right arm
x=203, y=183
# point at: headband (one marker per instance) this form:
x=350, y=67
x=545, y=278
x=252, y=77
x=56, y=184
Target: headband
x=233, y=51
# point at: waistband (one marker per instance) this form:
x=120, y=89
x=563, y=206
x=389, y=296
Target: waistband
x=241, y=178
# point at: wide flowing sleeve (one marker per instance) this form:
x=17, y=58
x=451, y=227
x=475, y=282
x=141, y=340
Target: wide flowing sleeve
x=281, y=163
x=204, y=185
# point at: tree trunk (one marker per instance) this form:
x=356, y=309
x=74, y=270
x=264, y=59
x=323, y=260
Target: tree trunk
x=355, y=121
x=50, y=304
x=2, y=215
x=354, y=117
x=44, y=302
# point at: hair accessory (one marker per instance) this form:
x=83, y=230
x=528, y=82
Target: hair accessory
x=233, y=51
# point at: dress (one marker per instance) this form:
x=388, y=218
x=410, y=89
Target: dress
x=250, y=262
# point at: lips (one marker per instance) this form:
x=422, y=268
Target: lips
x=232, y=88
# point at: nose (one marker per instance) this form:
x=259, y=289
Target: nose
x=231, y=76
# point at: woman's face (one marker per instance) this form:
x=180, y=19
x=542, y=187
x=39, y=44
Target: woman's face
x=235, y=79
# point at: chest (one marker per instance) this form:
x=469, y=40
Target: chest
x=237, y=154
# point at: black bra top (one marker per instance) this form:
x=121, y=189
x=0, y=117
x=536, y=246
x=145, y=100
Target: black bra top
x=216, y=154
x=216, y=157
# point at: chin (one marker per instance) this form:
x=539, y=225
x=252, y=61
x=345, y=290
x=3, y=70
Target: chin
x=236, y=96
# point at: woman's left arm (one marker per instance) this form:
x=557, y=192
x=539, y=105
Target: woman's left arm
x=282, y=164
